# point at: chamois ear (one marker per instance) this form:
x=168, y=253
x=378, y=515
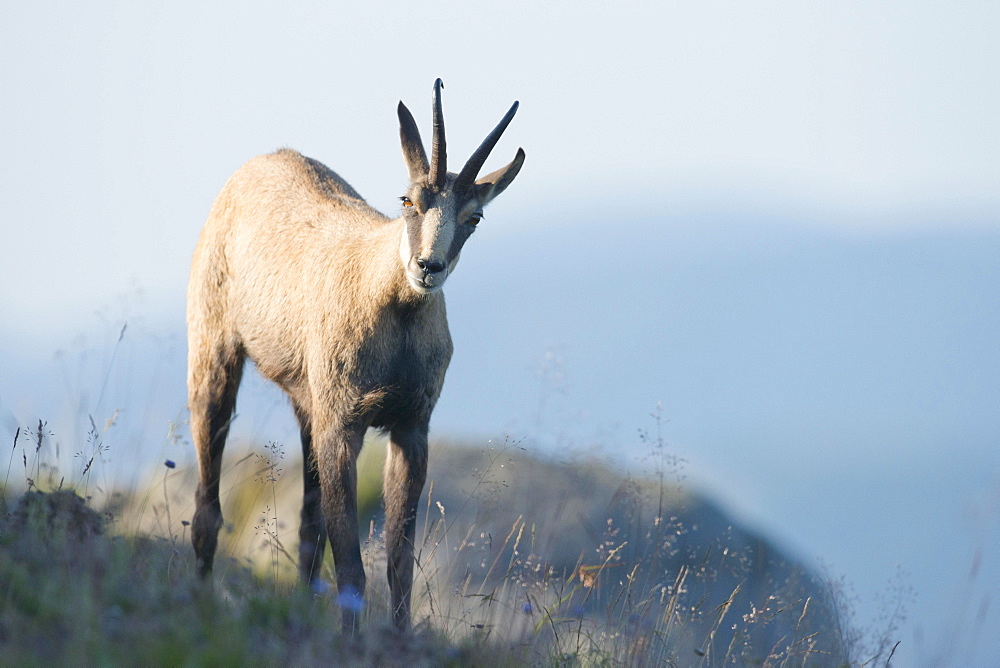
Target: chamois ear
x=413, y=148
x=493, y=184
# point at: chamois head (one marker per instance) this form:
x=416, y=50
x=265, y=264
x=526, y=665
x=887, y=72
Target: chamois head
x=441, y=208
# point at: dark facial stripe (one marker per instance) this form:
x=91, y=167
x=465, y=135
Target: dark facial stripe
x=414, y=231
x=462, y=233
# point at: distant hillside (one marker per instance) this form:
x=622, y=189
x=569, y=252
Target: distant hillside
x=735, y=593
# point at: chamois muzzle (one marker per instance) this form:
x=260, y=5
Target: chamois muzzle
x=426, y=276
x=430, y=266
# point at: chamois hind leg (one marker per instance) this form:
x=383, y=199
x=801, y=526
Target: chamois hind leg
x=336, y=446
x=213, y=379
x=312, y=530
x=403, y=479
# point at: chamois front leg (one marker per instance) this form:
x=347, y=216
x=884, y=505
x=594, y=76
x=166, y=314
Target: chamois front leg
x=405, y=472
x=336, y=449
x=312, y=530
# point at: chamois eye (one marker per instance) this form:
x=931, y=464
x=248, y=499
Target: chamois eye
x=475, y=218
x=406, y=201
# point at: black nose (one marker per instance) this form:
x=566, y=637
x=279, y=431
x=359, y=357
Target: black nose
x=430, y=267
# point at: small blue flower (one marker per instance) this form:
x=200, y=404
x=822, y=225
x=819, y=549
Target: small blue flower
x=526, y=607
x=350, y=599
x=170, y=464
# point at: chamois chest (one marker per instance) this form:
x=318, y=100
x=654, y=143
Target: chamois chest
x=401, y=367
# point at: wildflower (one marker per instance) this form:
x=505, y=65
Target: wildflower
x=526, y=607
x=170, y=464
x=350, y=599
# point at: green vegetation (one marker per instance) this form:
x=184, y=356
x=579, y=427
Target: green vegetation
x=521, y=561
x=73, y=594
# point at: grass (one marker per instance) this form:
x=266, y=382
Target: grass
x=90, y=597
x=520, y=561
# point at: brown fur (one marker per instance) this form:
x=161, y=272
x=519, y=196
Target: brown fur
x=297, y=272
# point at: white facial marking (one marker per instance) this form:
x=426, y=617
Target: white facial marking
x=436, y=237
x=404, y=247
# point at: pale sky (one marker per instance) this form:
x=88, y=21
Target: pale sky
x=120, y=121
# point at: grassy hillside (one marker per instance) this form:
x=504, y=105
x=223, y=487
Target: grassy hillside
x=520, y=561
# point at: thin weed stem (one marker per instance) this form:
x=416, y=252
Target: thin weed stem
x=10, y=462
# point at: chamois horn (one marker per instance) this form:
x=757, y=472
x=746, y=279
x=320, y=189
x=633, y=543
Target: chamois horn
x=439, y=157
x=467, y=176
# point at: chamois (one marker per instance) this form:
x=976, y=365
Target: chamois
x=341, y=306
